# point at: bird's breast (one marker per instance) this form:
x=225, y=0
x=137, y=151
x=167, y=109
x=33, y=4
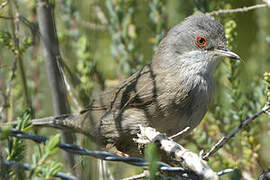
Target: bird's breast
x=188, y=105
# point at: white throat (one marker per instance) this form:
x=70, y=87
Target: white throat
x=198, y=62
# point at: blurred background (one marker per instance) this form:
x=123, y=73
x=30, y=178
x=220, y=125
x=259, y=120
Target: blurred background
x=104, y=41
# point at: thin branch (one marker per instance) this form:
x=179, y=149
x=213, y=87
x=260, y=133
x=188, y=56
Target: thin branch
x=181, y=133
x=15, y=32
x=32, y=26
x=9, y=89
x=243, y=9
x=225, y=171
x=14, y=12
x=224, y=140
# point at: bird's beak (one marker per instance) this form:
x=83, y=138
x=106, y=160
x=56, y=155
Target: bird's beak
x=226, y=53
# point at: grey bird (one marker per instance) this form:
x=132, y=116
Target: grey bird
x=170, y=93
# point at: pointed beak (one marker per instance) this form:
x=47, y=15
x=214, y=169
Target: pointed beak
x=226, y=53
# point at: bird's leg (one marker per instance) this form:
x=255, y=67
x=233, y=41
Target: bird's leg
x=111, y=148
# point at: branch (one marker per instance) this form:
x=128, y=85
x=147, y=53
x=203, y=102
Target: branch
x=180, y=134
x=225, y=171
x=14, y=12
x=48, y=37
x=186, y=158
x=224, y=140
x=243, y=9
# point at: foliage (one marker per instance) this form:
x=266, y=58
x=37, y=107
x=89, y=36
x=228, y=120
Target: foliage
x=267, y=83
x=6, y=40
x=15, y=145
x=158, y=19
x=42, y=165
x=124, y=34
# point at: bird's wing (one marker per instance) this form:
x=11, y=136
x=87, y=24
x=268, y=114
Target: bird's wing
x=138, y=90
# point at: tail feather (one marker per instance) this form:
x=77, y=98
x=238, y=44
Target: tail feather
x=59, y=122
x=72, y=122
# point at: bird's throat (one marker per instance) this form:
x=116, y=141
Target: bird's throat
x=198, y=63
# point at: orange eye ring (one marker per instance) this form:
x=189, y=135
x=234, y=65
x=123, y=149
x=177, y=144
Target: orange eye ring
x=201, y=41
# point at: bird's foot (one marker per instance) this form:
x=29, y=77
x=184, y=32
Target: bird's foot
x=111, y=148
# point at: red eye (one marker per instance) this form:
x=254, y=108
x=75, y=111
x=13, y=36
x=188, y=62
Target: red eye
x=201, y=41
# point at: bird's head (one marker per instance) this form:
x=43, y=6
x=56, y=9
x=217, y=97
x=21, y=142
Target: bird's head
x=198, y=38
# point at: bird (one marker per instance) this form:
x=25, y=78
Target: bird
x=170, y=93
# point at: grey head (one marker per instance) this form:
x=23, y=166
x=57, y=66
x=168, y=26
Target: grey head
x=199, y=36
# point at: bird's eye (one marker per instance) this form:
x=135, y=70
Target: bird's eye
x=201, y=41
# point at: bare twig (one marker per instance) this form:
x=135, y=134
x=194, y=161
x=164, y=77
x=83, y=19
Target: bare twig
x=181, y=133
x=225, y=171
x=243, y=9
x=186, y=158
x=224, y=140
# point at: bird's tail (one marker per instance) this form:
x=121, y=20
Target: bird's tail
x=72, y=122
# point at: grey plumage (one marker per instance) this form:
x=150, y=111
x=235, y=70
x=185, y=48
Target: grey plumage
x=171, y=93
